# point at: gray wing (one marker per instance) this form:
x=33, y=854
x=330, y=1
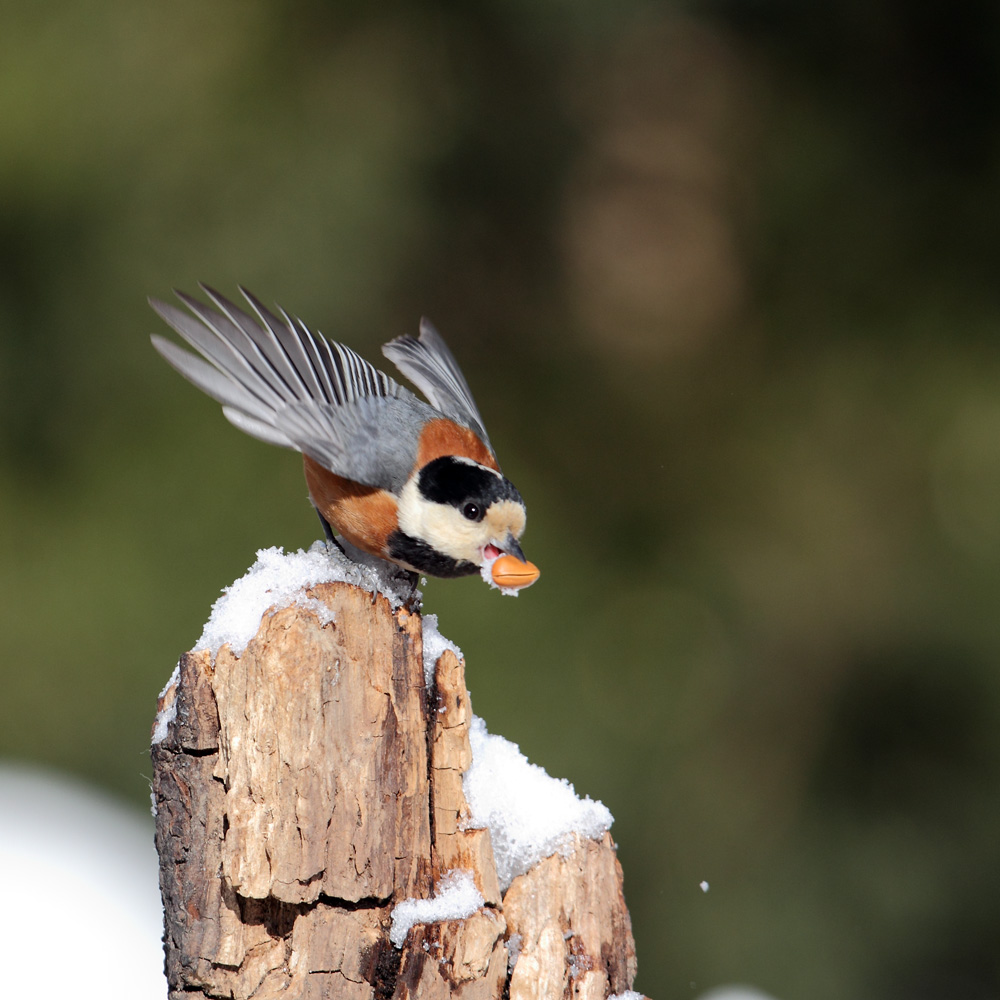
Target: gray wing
x=432, y=368
x=279, y=382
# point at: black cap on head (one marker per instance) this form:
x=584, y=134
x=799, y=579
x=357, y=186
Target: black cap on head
x=457, y=481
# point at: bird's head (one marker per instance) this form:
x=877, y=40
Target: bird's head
x=469, y=517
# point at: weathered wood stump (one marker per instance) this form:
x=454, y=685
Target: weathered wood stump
x=307, y=786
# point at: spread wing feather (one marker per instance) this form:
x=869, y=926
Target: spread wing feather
x=285, y=385
x=432, y=368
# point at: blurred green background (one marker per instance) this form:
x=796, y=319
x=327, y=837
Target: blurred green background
x=724, y=279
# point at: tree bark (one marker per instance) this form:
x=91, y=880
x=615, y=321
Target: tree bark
x=308, y=786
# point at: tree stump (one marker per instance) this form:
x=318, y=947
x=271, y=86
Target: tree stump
x=308, y=786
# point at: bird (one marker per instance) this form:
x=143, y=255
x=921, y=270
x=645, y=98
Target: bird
x=414, y=483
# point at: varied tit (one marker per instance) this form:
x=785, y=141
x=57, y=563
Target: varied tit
x=412, y=483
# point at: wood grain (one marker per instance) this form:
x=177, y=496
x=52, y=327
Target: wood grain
x=306, y=787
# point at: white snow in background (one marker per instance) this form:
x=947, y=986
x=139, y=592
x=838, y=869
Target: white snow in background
x=486, y=572
x=434, y=644
x=69, y=851
x=278, y=579
x=455, y=898
x=166, y=715
x=734, y=992
x=529, y=815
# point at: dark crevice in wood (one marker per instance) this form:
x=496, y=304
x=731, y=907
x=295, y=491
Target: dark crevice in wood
x=380, y=967
x=353, y=905
x=192, y=751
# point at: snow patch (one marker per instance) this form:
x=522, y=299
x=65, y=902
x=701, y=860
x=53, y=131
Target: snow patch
x=168, y=713
x=434, y=644
x=514, y=943
x=455, y=898
x=279, y=579
x=529, y=814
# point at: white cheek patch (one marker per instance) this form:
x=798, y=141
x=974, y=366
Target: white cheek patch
x=440, y=525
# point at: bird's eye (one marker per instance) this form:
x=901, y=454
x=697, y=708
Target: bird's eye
x=473, y=512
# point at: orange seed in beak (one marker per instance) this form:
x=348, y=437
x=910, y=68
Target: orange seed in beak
x=509, y=571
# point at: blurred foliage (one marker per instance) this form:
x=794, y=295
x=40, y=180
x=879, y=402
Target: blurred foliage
x=723, y=276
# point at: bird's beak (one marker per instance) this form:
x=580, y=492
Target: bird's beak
x=513, y=547
x=511, y=569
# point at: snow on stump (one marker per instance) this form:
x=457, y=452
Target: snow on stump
x=333, y=821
